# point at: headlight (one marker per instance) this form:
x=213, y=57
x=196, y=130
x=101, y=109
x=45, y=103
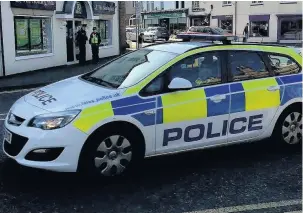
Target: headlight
x=53, y=120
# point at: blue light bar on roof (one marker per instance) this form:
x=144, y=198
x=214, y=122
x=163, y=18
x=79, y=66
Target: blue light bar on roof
x=207, y=37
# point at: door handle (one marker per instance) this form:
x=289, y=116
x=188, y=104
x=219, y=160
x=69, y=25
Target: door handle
x=149, y=112
x=217, y=98
x=273, y=88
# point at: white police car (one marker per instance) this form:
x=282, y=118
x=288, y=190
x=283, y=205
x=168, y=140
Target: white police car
x=161, y=99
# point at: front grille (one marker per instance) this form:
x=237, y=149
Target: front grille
x=14, y=119
x=16, y=145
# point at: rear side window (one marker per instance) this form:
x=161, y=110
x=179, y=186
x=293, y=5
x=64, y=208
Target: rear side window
x=246, y=66
x=283, y=65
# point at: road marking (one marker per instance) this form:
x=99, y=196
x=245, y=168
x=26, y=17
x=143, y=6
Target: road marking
x=294, y=212
x=3, y=114
x=250, y=207
x=19, y=90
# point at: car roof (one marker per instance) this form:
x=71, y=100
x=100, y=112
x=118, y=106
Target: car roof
x=178, y=47
x=182, y=47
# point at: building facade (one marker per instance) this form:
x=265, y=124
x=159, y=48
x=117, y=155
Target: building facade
x=198, y=13
x=169, y=14
x=41, y=34
x=269, y=21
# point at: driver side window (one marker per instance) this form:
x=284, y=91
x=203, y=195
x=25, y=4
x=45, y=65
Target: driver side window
x=201, y=69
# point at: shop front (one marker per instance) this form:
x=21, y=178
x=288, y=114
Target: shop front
x=173, y=20
x=289, y=28
x=42, y=34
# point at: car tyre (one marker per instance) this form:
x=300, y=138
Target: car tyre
x=288, y=129
x=166, y=39
x=111, y=152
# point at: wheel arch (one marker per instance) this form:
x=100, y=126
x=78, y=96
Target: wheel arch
x=116, y=124
x=285, y=110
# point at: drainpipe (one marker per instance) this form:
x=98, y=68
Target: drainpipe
x=236, y=18
x=2, y=49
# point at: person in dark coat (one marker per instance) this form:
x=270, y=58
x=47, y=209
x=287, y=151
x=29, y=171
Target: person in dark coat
x=245, y=33
x=94, y=41
x=140, y=40
x=81, y=39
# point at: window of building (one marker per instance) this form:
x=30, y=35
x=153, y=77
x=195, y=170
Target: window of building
x=104, y=27
x=201, y=70
x=177, y=4
x=259, y=28
x=134, y=3
x=291, y=28
x=283, y=65
x=147, y=6
x=257, y=2
x=33, y=35
x=152, y=5
x=182, y=4
x=288, y=2
x=195, y=4
x=226, y=3
x=246, y=66
x=162, y=5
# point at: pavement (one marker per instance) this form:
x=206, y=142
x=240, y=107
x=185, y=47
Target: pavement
x=46, y=76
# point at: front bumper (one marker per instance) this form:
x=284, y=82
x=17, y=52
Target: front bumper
x=26, y=139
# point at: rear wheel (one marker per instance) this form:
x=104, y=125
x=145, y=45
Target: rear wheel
x=111, y=152
x=288, y=131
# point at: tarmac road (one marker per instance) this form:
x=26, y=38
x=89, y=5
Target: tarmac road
x=251, y=178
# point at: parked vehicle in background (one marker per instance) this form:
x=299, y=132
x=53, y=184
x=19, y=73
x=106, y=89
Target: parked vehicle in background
x=207, y=30
x=155, y=33
x=131, y=34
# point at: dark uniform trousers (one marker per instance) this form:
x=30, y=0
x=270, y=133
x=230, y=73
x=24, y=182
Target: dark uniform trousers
x=95, y=52
x=82, y=54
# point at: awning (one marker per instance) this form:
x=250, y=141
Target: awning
x=259, y=18
x=224, y=17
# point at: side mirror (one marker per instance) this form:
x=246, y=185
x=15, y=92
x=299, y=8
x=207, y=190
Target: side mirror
x=180, y=84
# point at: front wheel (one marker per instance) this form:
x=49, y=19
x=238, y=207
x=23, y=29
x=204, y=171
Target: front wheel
x=288, y=131
x=110, y=154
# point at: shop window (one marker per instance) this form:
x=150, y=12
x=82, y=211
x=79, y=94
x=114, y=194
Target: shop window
x=247, y=66
x=283, y=65
x=226, y=25
x=201, y=70
x=291, y=29
x=259, y=28
x=104, y=27
x=33, y=35
x=226, y=3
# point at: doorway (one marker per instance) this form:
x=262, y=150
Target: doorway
x=72, y=47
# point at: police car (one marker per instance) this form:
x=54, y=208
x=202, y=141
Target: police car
x=162, y=99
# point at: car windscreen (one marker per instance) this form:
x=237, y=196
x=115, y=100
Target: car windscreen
x=130, y=68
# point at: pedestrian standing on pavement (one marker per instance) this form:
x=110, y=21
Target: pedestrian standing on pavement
x=94, y=41
x=140, y=40
x=81, y=39
x=245, y=33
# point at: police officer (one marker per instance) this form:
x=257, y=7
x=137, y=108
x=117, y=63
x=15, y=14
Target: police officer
x=95, y=41
x=81, y=38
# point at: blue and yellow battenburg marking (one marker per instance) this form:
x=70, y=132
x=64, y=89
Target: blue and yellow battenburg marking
x=196, y=103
